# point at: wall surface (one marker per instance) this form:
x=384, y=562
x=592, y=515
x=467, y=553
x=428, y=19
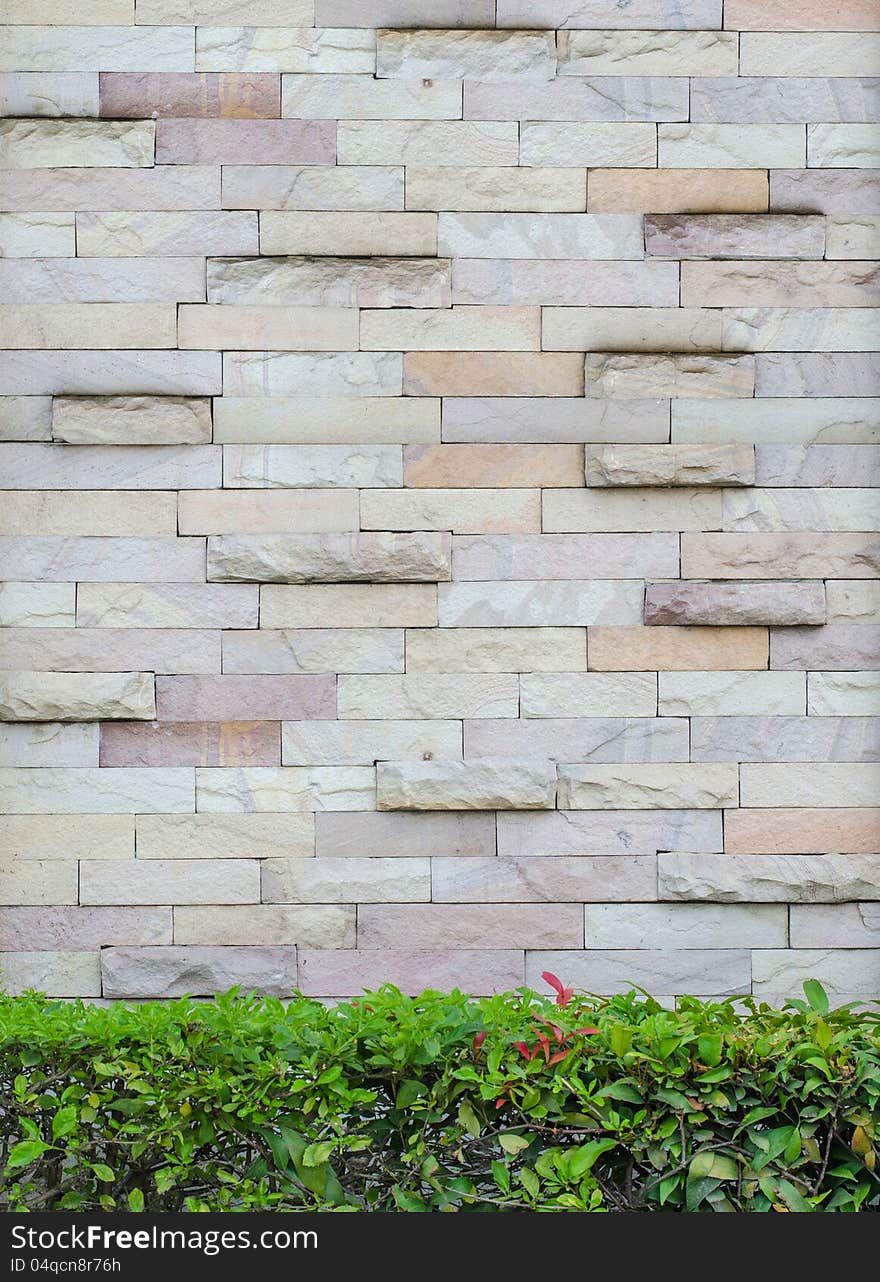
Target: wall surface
x=438, y=453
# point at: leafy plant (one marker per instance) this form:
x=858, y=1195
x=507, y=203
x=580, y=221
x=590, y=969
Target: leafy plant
x=439, y=1103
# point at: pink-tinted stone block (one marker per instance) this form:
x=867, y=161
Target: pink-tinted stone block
x=244, y=95
x=259, y=698
x=263, y=142
x=332, y=973
x=77, y=928
x=835, y=830
x=200, y=743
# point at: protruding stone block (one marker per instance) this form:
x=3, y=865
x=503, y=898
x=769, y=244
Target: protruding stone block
x=663, y=787
x=330, y=558
x=803, y=879
x=735, y=604
x=476, y=55
x=628, y=465
x=77, y=696
x=131, y=420
x=620, y=375
x=50, y=143
x=734, y=235
x=198, y=972
x=483, y=784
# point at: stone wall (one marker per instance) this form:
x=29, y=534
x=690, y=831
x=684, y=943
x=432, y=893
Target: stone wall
x=438, y=453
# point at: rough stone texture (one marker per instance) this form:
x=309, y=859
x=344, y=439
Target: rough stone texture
x=695, y=376
x=62, y=696
x=770, y=878
x=174, y=972
x=131, y=420
x=645, y=787
x=327, y=558
x=505, y=784
x=301, y=301
x=734, y=236
x=737, y=604
x=626, y=465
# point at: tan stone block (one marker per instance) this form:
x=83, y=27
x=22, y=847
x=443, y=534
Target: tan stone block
x=479, y=329
x=677, y=465
x=800, y=15
x=225, y=836
x=175, y=972
x=687, y=191
x=804, y=831
x=673, y=375
x=59, y=790
x=470, y=925
x=285, y=48
x=329, y=558
x=286, y=788
x=536, y=603
x=790, y=785
x=609, y=509
x=77, y=696
x=559, y=879
x=361, y=605
x=47, y=144
x=493, y=374
x=70, y=326
x=167, y=605
x=833, y=878
x=327, y=420
x=37, y=881
x=386, y=834
x=487, y=466
x=307, y=925
x=131, y=420
x=420, y=142
x=355, y=743
x=465, y=511
x=647, y=53
x=170, y=881
x=629, y=329
x=305, y=329
x=36, y=235
x=58, y=974
x=269, y=512
x=779, y=556
x=67, y=837
x=363, y=881
x=428, y=695
x=837, y=53
x=677, y=649
x=647, y=787
x=112, y=513
x=731, y=694
x=49, y=743
x=352, y=235
x=501, y=784
x=496, y=188
x=37, y=605
x=314, y=650
x=329, y=973
x=531, y=650
x=587, y=694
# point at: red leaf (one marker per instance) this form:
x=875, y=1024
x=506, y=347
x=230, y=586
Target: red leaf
x=563, y=994
x=560, y=1055
x=524, y=1050
x=586, y=1032
x=478, y=1041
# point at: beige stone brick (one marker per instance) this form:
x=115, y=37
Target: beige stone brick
x=136, y=605
x=347, y=234
x=774, y=284
x=307, y=925
x=530, y=603
x=358, y=97
x=501, y=784
x=25, y=418
x=225, y=836
x=420, y=142
x=385, y=834
x=731, y=694
x=621, y=375
x=503, y=329
x=328, y=558
x=259, y=374
x=131, y=420
x=63, y=696
x=643, y=787
x=676, y=649
x=269, y=512
x=330, y=881
x=557, y=879
x=82, y=928
x=88, y=325
x=362, y=605
x=802, y=15
x=327, y=420
x=39, y=235
x=546, y=236
x=275, y=789
x=835, y=925
x=608, y=329
x=175, y=972
x=710, y=926
x=329, y=282
x=735, y=604
x=37, y=881
x=496, y=188
x=61, y=791
x=493, y=374
x=531, y=650
x=425, y=694
x=58, y=974
x=779, y=556
x=808, y=831
x=843, y=694
x=67, y=837
x=856, y=236
x=317, y=466
x=46, y=143
x=722, y=971
x=260, y=329
x=485, y=466
x=88, y=512
x=477, y=55
x=314, y=650
x=465, y=511
x=287, y=48
x=563, y=556
x=588, y=144
x=300, y=187
x=329, y=973
x=362, y=743
x=731, y=146
x=649, y=509
x=587, y=694
x=581, y=739
x=845, y=970
x=470, y=925
x=838, y=53
x=607, y=832
x=171, y=881
x=269, y=13
x=839, y=784
x=37, y=605
x=49, y=744
x=647, y=53
x=687, y=191
x=675, y=465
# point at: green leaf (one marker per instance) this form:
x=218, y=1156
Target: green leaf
x=103, y=1173
x=512, y=1143
x=468, y=1119
x=816, y=996
x=794, y=1200
x=407, y=1201
x=529, y=1181
x=316, y=1154
x=580, y=1160
x=409, y=1091
x=620, y=1039
x=135, y=1200
x=620, y=1090
x=713, y=1166
x=709, y=1048
x=63, y=1122
x=25, y=1152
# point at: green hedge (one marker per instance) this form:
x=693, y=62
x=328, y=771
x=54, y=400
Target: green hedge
x=439, y=1103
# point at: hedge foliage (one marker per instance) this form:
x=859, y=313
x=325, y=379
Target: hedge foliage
x=439, y=1103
